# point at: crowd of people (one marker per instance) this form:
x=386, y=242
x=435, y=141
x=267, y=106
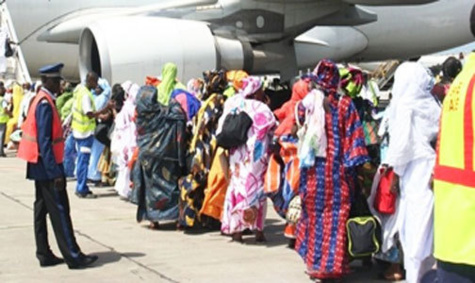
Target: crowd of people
x=209, y=154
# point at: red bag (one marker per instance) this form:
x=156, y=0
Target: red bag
x=385, y=200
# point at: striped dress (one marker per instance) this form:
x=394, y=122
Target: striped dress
x=326, y=189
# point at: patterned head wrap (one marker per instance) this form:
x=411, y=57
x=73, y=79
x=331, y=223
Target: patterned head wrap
x=195, y=87
x=215, y=82
x=327, y=75
x=352, y=80
x=131, y=90
x=250, y=85
x=236, y=78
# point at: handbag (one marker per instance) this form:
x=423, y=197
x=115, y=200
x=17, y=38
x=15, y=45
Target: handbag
x=295, y=210
x=8, y=48
x=364, y=236
x=101, y=133
x=385, y=200
x=234, y=132
x=362, y=228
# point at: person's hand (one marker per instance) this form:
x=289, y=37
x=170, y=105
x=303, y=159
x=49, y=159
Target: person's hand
x=395, y=184
x=384, y=170
x=59, y=183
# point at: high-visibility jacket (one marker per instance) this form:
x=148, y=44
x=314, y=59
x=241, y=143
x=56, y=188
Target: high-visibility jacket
x=81, y=123
x=3, y=114
x=454, y=179
x=28, y=149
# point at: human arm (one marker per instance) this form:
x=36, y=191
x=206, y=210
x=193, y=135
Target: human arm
x=44, y=123
x=88, y=109
x=6, y=108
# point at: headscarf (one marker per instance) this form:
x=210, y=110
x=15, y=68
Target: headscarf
x=352, y=80
x=195, y=87
x=101, y=99
x=286, y=113
x=168, y=84
x=236, y=77
x=215, y=82
x=152, y=81
x=189, y=103
x=413, y=116
x=327, y=76
x=250, y=85
x=131, y=91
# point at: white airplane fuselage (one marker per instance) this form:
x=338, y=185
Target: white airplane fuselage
x=399, y=32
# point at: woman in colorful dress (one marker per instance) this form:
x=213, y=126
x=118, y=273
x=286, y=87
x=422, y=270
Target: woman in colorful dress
x=124, y=140
x=201, y=151
x=245, y=203
x=326, y=187
x=161, y=123
x=283, y=173
x=105, y=166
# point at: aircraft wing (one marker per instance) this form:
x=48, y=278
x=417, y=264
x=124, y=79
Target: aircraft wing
x=69, y=27
x=388, y=2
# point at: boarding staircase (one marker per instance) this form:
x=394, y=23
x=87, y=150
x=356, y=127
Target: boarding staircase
x=16, y=64
x=384, y=74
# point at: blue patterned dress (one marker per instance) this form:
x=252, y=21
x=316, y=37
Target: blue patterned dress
x=326, y=189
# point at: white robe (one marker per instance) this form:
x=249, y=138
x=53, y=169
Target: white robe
x=414, y=118
x=416, y=223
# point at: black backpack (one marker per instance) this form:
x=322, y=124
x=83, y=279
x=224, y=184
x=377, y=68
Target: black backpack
x=234, y=132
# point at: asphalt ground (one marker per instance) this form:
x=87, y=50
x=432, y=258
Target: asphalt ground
x=129, y=252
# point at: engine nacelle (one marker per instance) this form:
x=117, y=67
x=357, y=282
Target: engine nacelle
x=130, y=48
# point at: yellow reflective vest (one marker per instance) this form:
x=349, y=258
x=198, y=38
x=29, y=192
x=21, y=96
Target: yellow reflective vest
x=80, y=122
x=3, y=114
x=454, y=179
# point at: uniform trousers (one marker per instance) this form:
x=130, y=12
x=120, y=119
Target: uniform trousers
x=54, y=201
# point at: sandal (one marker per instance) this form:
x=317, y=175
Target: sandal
x=154, y=226
x=237, y=237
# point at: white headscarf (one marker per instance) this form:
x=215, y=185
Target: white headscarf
x=414, y=116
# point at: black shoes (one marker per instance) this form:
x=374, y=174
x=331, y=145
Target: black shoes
x=51, y=261
x=83, y=261
x=86, y=195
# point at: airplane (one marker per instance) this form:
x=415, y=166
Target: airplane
x=130, y=39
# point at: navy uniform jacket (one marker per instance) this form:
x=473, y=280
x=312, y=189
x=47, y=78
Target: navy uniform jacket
x=46, y=169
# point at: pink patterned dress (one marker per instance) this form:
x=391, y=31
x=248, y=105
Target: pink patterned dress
x=248, y=164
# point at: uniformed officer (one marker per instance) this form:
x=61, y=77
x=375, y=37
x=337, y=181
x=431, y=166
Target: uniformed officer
x=42, y=146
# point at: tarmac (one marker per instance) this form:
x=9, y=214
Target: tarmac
x=129, y=252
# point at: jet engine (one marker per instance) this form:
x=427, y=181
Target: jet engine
x=130, y=48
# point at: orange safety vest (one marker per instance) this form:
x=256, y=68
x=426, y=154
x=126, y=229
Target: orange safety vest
x=454, y=176
x=28, y=149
